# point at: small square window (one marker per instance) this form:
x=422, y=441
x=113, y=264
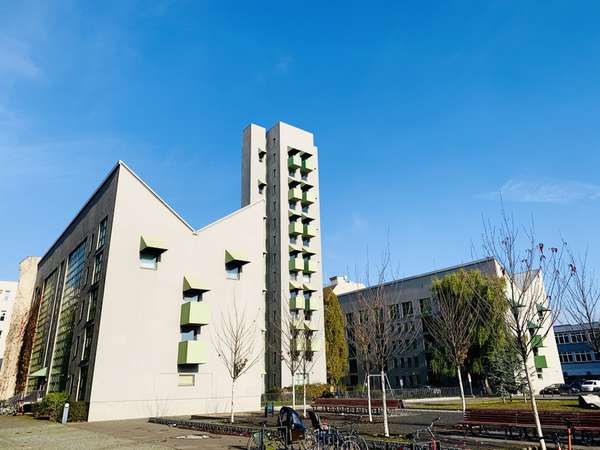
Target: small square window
x=233, y=271
x=185, y=379
x=148, y=260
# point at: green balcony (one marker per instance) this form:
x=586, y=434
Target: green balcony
x=310, y=266
x=309, y=231
x=298, y=344
x=314, y=345
x=295, y=162
x=194, y=313
x=295, y=228
x=307, y=165
x=308, y=197
x=540, y=362
x=542, y=308
x=537, y=341
x=191, y=352
x=310, y=326
x=297, y=302
x=295, y=194
x=296, y=264
x=533, y=325
x=310, y=304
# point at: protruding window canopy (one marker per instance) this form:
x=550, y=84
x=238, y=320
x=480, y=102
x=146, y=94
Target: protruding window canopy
x=235, y=258
x=306, y=287
x=42, y=373
x=192, y=285
x=150, y=244
x=295, y=285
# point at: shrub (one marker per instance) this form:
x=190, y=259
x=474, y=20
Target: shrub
x=50, y=406
x=78, y=412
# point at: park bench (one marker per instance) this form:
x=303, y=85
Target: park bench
x=520, y=423
x=354, y=405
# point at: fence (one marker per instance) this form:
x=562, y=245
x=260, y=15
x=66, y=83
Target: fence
x=285, y=398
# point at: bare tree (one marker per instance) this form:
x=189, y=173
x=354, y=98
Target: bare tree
x=583, y=299
x=235, y=340
x=380, y=330
x=536, y=281
x=455, y=318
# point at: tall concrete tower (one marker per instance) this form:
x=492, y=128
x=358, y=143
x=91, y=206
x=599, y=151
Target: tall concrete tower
x=281, y=166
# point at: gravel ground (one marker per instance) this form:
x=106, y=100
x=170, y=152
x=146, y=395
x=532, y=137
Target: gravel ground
x=28, y=433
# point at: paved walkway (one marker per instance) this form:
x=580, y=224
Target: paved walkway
x=28, y=433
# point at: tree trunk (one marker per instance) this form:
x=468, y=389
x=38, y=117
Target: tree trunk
x=536, y=415
x=462, y=391
x=294, y=390
x=386, y=427
x=369, y=396
x=304, y=393
x=232, y=397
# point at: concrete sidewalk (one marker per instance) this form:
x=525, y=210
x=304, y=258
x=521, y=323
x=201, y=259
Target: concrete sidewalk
x=25, y=432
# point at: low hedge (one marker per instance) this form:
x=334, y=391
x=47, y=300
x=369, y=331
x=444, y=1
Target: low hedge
x=52, y=405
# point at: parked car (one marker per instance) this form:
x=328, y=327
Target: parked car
x=590, y=386
x=576, y=386
x=430, y=389
x=557, y=389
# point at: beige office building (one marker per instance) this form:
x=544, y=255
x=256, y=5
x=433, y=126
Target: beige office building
x=132, y=298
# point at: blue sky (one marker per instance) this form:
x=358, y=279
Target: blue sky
x=423, y=112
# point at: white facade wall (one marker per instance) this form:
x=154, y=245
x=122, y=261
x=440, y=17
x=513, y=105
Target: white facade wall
x=136, y=371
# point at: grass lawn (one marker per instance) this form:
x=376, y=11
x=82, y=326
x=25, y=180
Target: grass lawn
x=548, y=405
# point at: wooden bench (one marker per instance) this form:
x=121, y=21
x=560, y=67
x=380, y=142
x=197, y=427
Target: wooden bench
x=354, y=405
x=520, y=423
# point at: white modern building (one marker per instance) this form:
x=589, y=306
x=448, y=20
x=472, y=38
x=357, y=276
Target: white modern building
x=133, y=301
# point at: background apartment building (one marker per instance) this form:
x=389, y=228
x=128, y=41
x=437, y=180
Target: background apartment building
x=8, y=290
x=577, y=356
x=413, y=296
x=280, y=165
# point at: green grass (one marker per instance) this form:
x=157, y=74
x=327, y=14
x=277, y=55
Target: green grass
x=547, y=405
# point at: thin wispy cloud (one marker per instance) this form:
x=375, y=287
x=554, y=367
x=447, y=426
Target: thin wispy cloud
x=544, y=191
x=16, y=60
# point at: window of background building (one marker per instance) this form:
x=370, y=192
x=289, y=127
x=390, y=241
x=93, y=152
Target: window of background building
x=407, y=309
x=233, y=271
x=93, y=303
x=102, y=233
x=2, y=315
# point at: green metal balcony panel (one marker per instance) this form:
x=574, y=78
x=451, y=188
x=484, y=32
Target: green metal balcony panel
x=294, y=162
x=293, y=214
x=298, y=344
x=310, y=326
x=295, y=228
x=309, y=231
x=537, y=341
x=307, y=165
x=540, y=362
x=533, y=325
x=310, y=267
x=308, y=197
x=311, y=304
x=314, y=345
x=308, y=251
x=297, y=302
x=296, y=264
x=194, y=313
x=542, y=308
x=297, y=325
x=191, y=352
x=295, y=285
x=295, y=194
x=193, y=284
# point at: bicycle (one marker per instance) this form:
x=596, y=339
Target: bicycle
x=431, y=443
x=274, y=438
x=330, y=438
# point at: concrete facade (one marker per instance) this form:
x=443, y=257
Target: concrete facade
x=412, y=368
x=8, y=291
x=14, y=331
x=578, y=359
x=280, y=165
x=133, y=300
x=340, y=284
